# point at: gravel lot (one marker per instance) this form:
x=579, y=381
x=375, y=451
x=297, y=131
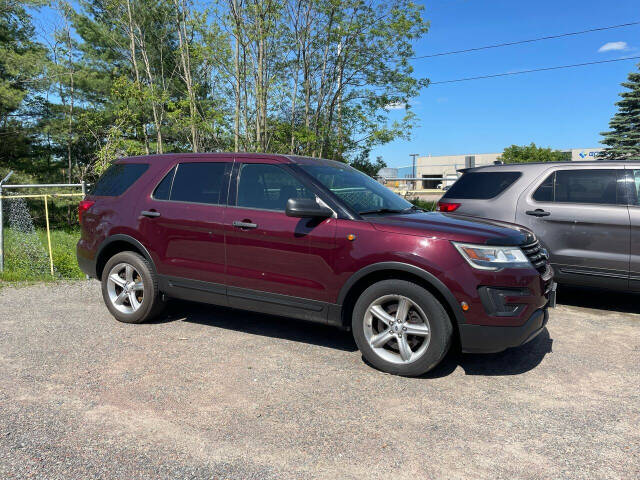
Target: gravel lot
x=216, y=393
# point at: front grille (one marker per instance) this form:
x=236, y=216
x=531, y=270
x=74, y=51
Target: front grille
x=536, y=255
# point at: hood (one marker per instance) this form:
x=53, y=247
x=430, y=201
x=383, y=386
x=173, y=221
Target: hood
x=457, y=227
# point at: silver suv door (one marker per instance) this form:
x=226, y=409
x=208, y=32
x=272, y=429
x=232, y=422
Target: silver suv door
x=581, y=217
x=633, y=183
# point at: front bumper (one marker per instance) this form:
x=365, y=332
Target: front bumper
x=491, y=339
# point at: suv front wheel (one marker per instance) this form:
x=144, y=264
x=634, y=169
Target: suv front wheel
x=130, y=288
x=401, y=328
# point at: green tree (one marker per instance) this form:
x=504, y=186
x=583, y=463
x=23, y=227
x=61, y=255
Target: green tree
x=328, y=78
x=363, y=163
x=321, y=77
x=623, y=140
x=532, y=153
x=22, y=63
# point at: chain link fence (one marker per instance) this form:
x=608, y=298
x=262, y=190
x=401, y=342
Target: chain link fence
x=39, y=230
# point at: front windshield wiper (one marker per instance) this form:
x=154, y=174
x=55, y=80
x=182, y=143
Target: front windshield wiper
x=381, y=210
x=414, y=208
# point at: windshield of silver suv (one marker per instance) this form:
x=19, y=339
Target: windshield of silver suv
x=359, y=191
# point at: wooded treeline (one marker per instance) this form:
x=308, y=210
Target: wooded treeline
x=127, y=77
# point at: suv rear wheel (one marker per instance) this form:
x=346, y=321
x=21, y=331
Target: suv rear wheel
x=130, y=288
x=401, y=328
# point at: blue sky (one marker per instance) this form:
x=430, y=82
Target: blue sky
x=558, y=109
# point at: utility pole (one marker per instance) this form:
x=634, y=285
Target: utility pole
x=413, y=170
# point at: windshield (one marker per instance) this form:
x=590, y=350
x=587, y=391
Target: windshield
x=358, y=191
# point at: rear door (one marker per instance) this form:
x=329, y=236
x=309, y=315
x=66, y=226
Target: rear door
x=271, y=255
x=184, y=222
x=580, y=215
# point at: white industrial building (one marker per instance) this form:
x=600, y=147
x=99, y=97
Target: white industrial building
x=441, y=170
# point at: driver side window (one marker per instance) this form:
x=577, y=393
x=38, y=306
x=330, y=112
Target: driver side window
x=351, y=191
x=268, y=187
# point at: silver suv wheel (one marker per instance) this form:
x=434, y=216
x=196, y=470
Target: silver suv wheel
x=125, y=288
x=397, y=329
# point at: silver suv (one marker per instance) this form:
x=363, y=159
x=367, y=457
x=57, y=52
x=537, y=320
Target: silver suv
x=587, y=214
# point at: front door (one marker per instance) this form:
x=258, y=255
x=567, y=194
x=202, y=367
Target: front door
x=581, y=217
x=633, y=183
x=272, y=259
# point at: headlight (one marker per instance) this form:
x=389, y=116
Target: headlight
x=486, y=257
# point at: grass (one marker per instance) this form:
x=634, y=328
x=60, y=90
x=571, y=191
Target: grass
x=424, y=204
x=26, y=257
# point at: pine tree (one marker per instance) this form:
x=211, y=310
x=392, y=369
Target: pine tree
x=22, y=61
x=623, y=140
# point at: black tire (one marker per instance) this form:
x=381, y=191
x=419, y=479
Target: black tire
x=440, y=327
x=151, y=305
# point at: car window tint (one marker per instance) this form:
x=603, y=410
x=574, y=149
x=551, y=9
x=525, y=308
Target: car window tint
x=118, y=178
x=481, y=185
x=199, y=183
x=268, y=187
x=164, y=187
x=586, y=186
x=544, y=193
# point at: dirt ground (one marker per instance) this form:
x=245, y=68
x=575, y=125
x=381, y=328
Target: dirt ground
x=214, y=393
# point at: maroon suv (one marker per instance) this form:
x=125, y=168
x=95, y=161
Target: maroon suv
x=316, y=240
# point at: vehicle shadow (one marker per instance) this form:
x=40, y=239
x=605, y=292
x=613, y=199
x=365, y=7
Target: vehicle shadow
x=587, y=297
x=513, y=361
x=260, y=324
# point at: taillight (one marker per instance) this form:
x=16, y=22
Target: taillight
x=447, y=207
x=83, y=206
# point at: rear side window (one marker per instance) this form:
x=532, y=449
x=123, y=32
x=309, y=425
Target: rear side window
x=481, y=185
x=118, y=178
x=196, y=182
x=581, y=186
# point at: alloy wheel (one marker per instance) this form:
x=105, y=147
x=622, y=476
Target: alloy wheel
x=125, y=288
x=397, y=329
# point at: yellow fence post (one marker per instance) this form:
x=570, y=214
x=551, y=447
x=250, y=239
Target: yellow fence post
x=46, y=214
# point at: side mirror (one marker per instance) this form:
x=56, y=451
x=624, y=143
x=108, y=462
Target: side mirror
x=306, y=208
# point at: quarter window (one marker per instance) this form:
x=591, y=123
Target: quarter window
x=118, y=178
x=201, y=182
x=163, y=189
x=481, y=185
x=544, y=193
x=268, y=187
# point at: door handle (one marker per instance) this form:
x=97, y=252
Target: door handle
x=538, y=212
x=149, y=213
x=239, y=224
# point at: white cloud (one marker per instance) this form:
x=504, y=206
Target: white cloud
x=395, y=106
x=613, y=46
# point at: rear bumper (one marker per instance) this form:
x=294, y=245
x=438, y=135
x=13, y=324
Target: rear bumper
x=491, y=339
x=85, y=262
